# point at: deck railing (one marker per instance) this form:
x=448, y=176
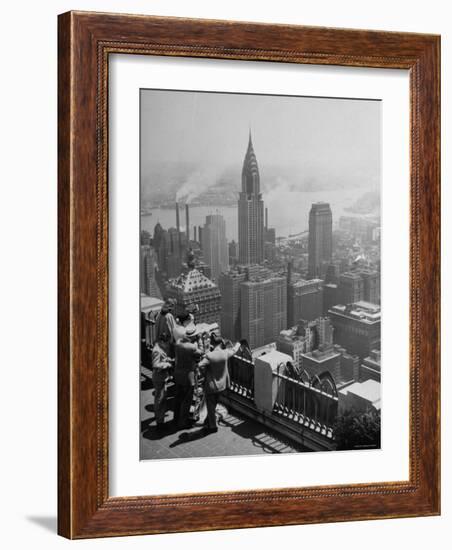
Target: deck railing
x=300, y=401
x=241, y=372
x=306, y=404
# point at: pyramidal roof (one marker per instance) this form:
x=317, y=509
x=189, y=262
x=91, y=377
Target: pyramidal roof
x=192, y=281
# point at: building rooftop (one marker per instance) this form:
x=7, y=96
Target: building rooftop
x=273, y=357
x=360, y=311
x=330, y=285
x=374, y=358
x=263, y=350
x=289, y=332
x=320, y=205
x=192, y=281
x=370, y=390
x=350, y=275
x=264, y=279
x=369, y=306
x=291, y=335
x=320, y=355
x=307, y=282
x=148, y=303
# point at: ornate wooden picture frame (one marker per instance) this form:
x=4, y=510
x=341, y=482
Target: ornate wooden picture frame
x=86, y=40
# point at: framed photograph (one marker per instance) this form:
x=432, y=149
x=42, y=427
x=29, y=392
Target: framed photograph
x=248, y=275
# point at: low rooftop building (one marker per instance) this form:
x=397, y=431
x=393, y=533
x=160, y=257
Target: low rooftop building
x=360, y=396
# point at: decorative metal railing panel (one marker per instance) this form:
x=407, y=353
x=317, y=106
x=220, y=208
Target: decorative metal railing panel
x=306, y=404
x=241, y=372
x=301, y=400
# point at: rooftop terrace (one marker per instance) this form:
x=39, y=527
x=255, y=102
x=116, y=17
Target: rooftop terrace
x=237, y=434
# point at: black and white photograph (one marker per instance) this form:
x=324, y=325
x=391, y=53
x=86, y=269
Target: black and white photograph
x=260, y=308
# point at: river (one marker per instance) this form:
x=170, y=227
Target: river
x=288, y=212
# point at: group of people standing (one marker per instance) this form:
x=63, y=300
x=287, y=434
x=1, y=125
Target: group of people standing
x=180, y=349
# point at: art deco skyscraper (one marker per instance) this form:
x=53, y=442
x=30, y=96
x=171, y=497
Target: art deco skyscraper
x=251, y=212
x=320, y=239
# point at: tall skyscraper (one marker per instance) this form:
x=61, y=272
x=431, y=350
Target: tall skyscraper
x=148, y=283
x=233, y=252
x=214, y=245
x=351, y=288
x=304, y=300
x=263, y=312
x=324, y=331
x=371, y=280
x=251, y=212
x=320, y=239
x=229, y=284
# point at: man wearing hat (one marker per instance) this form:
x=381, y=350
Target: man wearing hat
x=188, y=355
x=161, y=364
x=182, y=322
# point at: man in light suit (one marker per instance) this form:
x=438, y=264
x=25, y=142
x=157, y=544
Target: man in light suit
x=217, y=380
x=161, y=364
x=188, y=355
x=165, y=322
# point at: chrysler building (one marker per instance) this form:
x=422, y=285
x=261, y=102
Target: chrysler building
x=251, y=212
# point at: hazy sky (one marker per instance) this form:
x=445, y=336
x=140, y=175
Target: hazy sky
x=311, y=137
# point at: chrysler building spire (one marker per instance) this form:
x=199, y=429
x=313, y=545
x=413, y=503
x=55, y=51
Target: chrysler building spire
x=251, y=211
x=250, y=171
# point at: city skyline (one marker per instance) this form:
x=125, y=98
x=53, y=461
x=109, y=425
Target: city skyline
x=301, y=311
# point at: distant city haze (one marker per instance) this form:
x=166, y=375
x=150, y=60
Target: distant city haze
x=192, y=142
x=288, y=212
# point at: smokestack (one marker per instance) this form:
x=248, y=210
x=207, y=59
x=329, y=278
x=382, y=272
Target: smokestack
x=266, y=219
x=178, y=230
x=187, y=222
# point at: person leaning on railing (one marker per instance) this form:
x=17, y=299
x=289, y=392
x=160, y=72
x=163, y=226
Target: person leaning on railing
x=188, y=355
x=161, y=364
x=166, y=322
x=215, y=365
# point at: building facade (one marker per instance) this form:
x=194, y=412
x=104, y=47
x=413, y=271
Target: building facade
x=371, y=367
x=193, y=288
x=297, y=340
x=371, y=285
x=330, y=296
x=214, y=245
x=304, y=300
x=320, y=243
x=233, y=252
x=325, y=331
x=263, y=310
x=229, y=284
x=148, y=262
x=323, y=359
x=357, y=327
x=351, y=288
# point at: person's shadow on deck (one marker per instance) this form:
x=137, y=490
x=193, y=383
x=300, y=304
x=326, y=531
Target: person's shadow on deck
x=186, y=437
x=151, y=432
